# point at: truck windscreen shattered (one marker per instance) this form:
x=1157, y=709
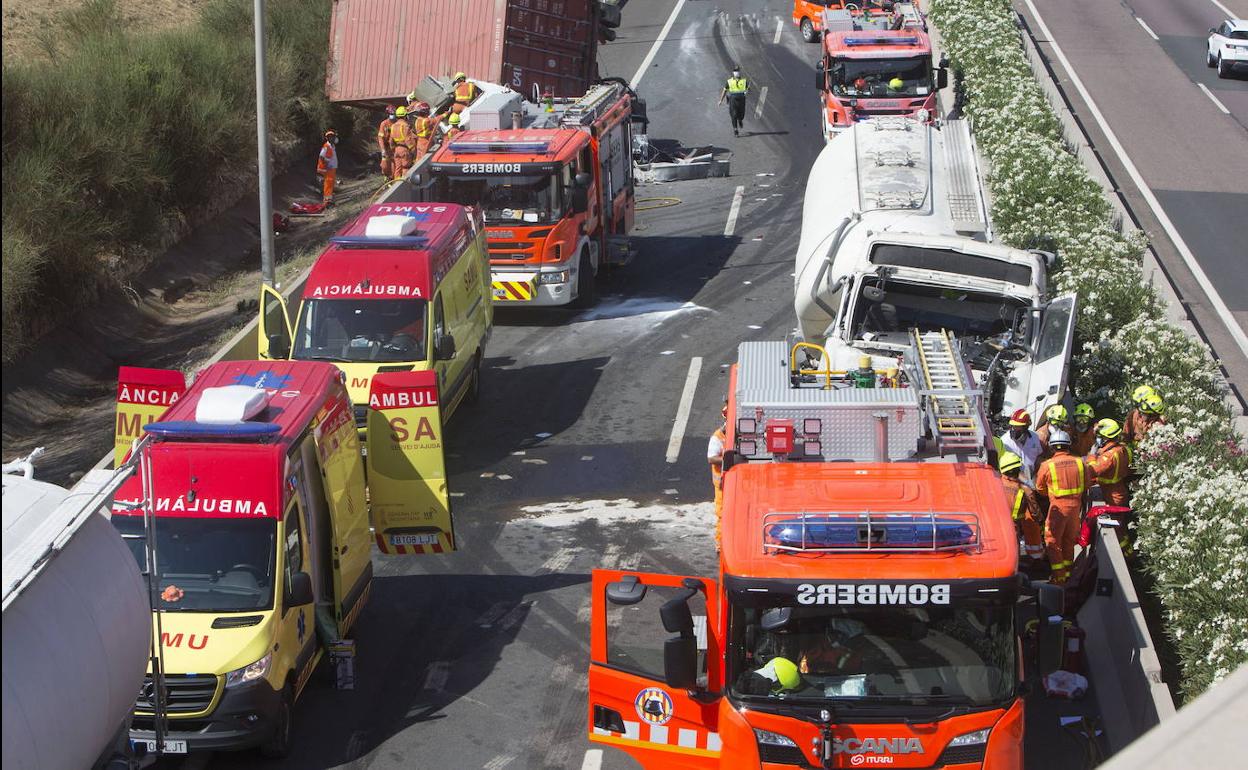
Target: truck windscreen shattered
x=361, y=330
x=955, y=654
x=209, y=564
x=534, y=200
x=896, y=307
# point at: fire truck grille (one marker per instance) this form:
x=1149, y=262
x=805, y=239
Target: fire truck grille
x=781, y=755
x=187, y=694
x=958, y=755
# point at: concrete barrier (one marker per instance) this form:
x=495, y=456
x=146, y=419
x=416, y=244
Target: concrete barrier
x=1125, y=671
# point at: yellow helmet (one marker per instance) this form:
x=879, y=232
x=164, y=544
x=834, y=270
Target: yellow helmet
x=459, y=76
x=786, y=674
x=1108, y=428
x=1009, y=462
x=454, y=119
x=896, y=84
x=1153, y=404
x=1084, y=410
x=1142, y=392
x=1057, y=414
x=401, y=112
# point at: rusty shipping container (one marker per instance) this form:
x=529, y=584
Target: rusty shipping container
x=381, y=49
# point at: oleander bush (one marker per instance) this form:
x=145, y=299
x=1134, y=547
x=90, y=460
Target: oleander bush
x=1192, y=499
x=118, y=137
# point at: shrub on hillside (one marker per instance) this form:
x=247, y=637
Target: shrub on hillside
x=1193, y=497
x=121, y=135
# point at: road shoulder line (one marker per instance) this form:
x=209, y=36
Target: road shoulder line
x=682, y=411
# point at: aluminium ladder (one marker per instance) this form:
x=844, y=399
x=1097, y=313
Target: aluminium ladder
x=952, y=413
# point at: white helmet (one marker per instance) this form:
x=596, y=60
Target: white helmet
x=1059, y=437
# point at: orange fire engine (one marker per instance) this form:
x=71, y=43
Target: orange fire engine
x=808, y=15
x=554, y=180
x=864, y=611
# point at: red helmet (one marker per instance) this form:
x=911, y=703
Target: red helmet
x=1020, y=419
x=422, y=107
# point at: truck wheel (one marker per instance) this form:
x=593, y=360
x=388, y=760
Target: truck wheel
x=1224, y=68
x=808, y=31
x=586, y=287
x=278, y=747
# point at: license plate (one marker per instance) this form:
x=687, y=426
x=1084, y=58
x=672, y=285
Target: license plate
x=500, y=294
x=171, y=747
x=430, y=539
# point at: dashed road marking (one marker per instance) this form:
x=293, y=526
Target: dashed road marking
x=682, y=411
x=1213, y=99
x=731, y=226
x=1225, y=10
x=654, y=49
x=779, y=29
x=560, y=561
x=1147, y=29
x=499, y=762
x=762, y=99
x=593, y=760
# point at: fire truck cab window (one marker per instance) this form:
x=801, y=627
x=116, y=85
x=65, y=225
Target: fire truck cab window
x=635, y=633
x=950, y=655
x=361, y=330
x=507, y=200
x=874, y=77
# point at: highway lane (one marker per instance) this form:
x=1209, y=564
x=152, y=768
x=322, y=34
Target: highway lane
x=478, y=659
x=1191, y=155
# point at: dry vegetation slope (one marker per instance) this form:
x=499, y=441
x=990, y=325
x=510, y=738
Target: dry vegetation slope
x=27, y=23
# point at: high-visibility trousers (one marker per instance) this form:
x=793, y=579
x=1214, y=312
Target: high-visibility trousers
x=1033, y=537
x=402, y=160
x=717, y=484
x=387, y=165
x=1061, y=534
x=1116, y=494
x=327, y=187
x=422, y=146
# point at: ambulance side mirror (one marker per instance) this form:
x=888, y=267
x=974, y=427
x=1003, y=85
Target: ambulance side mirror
x=446, y=347
x=278, y=347
x=300, y=592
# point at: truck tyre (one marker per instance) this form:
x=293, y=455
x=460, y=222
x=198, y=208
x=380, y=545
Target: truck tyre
x=278, y=746
x=586, y=287
x=808, y=31
x=1224, y=69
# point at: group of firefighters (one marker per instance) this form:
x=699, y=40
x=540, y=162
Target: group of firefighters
x=1048, y=473
x=404, y=136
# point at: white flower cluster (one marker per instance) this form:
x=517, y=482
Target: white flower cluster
x=1192, y=499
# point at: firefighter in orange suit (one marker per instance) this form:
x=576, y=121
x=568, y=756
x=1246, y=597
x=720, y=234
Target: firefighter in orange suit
x=423, y=128
x=384, y=144
x=465, y=92
x=1024, y=506
x=715, y=456
x=1065, y=478
x=1083, y=430
x=1149, y=411
x=402, y=139
x=455, y=127
x=327, y=166
x=1111, y=462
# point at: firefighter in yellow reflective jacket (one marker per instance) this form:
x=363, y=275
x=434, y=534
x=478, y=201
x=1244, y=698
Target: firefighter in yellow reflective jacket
x=1024, y=506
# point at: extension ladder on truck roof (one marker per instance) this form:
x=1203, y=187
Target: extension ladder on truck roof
x=782, y=411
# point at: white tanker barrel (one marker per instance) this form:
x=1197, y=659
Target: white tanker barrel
x=884, y=175
x=77, y=626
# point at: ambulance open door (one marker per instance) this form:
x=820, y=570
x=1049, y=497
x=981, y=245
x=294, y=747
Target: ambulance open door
x=654, y=660
x=274, y=333
x=410, y=507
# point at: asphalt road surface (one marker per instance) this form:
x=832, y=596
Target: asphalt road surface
x=1182, y=127
x=478, y=659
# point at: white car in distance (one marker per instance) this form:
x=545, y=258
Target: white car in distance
x=1228, y=46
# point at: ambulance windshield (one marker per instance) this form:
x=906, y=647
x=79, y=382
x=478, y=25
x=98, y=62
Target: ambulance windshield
x=948, y=655
x=869, y=78
x=209, y=564
x=506, y=200
x=361, y=330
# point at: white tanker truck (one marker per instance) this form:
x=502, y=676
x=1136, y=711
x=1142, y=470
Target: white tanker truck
x=77, y=625
x=896, y=238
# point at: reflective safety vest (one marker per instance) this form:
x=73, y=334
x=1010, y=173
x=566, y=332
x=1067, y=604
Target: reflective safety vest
x=1055, y=467
x=465, y=92
x=424, y=126
x=1119, y=459
x=401, y=133
x=737, y=85
x=383, y=133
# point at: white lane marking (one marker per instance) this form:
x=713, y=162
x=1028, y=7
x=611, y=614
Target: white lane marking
x=762, y=99
x=682, y=411
x=439, y=672
x=654, y=49
x=1224, y=313
x=499, y=762
x=559, y=561
x=517, y=614
x=593, y=760
x=491, y=616
x=1213, y=99
x=779, y=28
x=1225, y=10
x=731, y=225
x=1150, y=32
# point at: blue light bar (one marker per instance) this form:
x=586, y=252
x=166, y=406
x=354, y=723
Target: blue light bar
x=394, y=242
x=852, y=532
x=518, y=148
x=230, y=430
x=882, y=40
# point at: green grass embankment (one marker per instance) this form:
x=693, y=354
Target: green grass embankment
x=121, y=137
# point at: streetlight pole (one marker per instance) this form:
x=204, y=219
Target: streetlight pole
x=262, y=152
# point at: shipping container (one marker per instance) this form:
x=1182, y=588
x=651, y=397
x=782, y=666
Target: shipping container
x=381, y=49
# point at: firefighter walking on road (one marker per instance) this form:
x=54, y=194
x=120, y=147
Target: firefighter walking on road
x=735, y=90
x=1064, y=478
x=327, y=166
x=715, y=456
x=1024, y=506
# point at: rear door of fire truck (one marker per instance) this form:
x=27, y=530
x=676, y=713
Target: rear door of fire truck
x=1053, y=340
x=654, y=655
